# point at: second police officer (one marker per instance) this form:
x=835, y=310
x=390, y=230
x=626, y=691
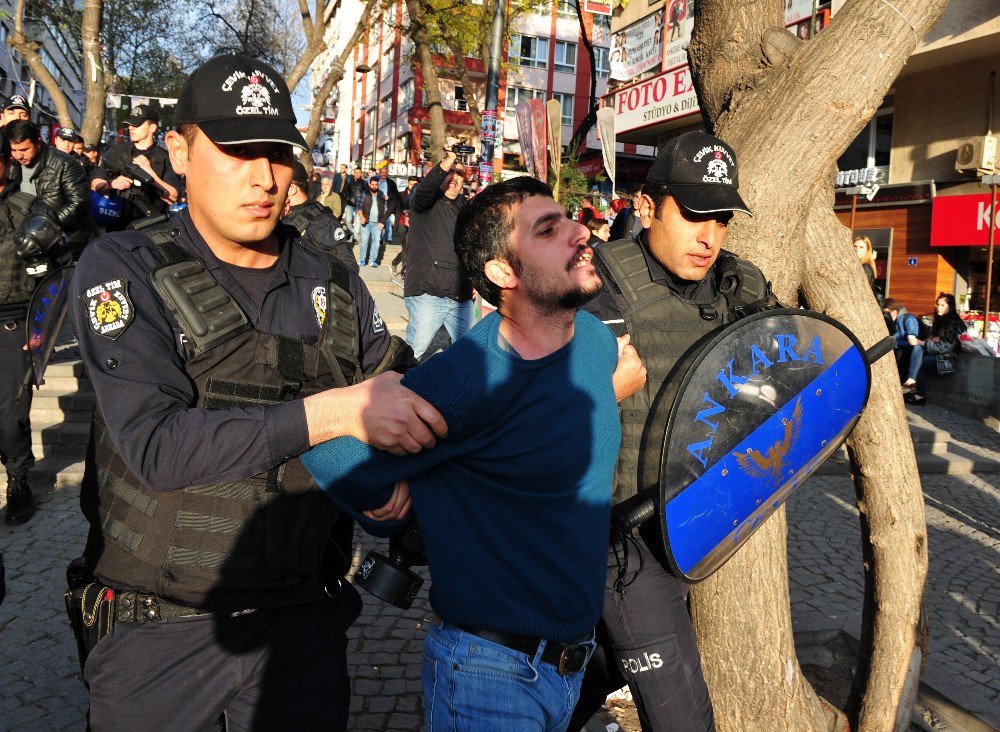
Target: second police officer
x=222, y=346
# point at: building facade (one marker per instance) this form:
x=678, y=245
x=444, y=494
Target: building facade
x=389, y=118
x=61, y=54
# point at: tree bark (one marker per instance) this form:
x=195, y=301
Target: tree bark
x=789, y=109
x=432, y=92
x=467, y=88
x=28, y=49
x=315, y=32
x=95, y=82
x=332, y=79
x=579, y=140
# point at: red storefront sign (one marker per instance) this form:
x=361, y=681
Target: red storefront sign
x=961, y=221
x=598, y=7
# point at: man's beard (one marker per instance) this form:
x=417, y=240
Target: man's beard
x=545, y=299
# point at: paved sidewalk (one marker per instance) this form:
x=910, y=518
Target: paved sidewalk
x=39, y=688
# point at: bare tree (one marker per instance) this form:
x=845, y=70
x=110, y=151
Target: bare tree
x=776, y=99
x=333, y=77
x=314, y=25
x=29, y=50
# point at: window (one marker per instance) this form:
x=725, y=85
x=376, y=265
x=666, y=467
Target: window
x=529, y=51
x=603, y=67
x=602, y=21
x=565, y=59
x=871, y=148
x=385, y=108
x=566, y=8
x=517, y=94
x=460, y=102
x=370, y=122
x=405, y=100
x=566, y=103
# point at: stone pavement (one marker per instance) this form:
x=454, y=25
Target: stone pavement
x=39, y=686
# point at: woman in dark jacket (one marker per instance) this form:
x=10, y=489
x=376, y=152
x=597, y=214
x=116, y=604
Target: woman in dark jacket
x=942, y=341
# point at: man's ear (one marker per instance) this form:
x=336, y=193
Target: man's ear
x=501, y=274
x=646, y=210
x=177, y=149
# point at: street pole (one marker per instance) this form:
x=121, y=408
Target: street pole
x=992, y=179
x=488, y=134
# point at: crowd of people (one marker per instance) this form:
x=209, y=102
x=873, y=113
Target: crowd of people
x=252, y=409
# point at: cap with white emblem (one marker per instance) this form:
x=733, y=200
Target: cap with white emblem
x=701, y=172
x=236, y=100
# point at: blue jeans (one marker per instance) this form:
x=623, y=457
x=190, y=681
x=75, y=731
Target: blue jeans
x=349, y=218
x=428, y=313
x=387, y=231
x=370, y=242
x=476, y=685
x=919, y=363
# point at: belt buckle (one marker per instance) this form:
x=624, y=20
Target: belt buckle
x=572, y=659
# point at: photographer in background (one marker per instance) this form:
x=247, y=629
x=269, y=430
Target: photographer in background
x=139, y=169
x=16, y=287
x=57, y=179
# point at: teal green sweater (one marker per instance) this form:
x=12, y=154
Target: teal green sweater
x=514, y=505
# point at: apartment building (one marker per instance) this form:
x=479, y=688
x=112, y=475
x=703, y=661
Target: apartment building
x=60, y=52
x=389, y=119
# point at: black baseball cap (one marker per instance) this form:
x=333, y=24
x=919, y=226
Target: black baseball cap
x=91, y=148
x=18, y=102
x=67, y=133
x=237, y=99
x=701, y=172
x=142, y=113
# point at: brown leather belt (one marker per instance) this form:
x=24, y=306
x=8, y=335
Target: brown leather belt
x=568, y=659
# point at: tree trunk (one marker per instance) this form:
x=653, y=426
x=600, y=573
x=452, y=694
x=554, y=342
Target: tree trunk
x=579, y=140
x=432, y=92
x=789, y=109
x=28, y=49
x=332, y=79
x=314, y=30
x=467, y=88
x=94, y=81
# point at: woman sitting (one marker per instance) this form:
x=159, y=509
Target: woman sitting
x=938, y=352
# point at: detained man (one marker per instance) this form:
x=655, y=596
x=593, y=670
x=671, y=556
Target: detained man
x=514, y=505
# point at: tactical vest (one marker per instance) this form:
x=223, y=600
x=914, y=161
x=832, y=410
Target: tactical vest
x=266, y=540
x=15, y=284
x=663, y=329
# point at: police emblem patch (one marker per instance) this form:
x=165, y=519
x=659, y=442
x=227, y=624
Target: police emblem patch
x=109, y=309
x=319, y=304
x=377, y=325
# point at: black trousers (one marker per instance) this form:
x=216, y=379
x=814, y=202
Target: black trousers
x=15, y=426
x=277, y=668
x=646, y=640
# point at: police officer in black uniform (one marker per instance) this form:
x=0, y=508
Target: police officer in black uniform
x=221, y=346
x=16, y=287
x=668, y=288
x=146, y=196
x=315, y=222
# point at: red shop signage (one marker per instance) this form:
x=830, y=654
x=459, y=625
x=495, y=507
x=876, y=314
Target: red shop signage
x=961, y=221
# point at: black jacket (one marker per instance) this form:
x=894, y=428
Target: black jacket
x=365, y=205
x=432, y=266
x=353, y=189
x=61, y=182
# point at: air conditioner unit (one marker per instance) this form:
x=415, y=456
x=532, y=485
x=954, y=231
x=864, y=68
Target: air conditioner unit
x=975, y=154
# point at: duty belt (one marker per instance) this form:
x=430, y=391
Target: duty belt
x=140, y=607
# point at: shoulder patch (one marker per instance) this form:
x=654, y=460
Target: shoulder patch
x=109, y=309
x=377, y=325
x=319, y=304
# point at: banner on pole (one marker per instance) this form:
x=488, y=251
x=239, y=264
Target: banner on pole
x=539, y=139
x=606, y=131
x=522, y=112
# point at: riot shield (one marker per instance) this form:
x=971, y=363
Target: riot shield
x=760, y=408
x=46, y=313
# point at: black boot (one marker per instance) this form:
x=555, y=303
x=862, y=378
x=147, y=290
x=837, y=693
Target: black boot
x=20, y=502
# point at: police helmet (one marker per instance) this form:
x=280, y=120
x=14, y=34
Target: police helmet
x=37, y=235
x=106, y=211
